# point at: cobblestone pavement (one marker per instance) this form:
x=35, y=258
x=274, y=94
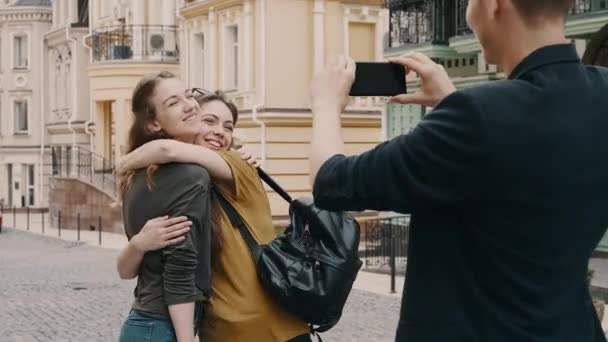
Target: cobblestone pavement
x=58, y=291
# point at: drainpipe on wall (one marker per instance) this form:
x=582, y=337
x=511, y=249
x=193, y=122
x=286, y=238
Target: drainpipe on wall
x=178, y=17
x=262, y=84
x=89, y=122
x=42, y=125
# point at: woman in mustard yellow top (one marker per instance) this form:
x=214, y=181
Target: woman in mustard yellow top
x=239, y=308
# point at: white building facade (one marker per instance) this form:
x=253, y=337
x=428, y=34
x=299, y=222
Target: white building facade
x=23, y=24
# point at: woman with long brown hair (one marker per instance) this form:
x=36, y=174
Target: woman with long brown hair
x=172, y=282
x=239, y=308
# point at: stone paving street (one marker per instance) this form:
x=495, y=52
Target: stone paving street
x=58, y=291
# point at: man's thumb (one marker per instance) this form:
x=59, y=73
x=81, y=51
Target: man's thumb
x=416, y=98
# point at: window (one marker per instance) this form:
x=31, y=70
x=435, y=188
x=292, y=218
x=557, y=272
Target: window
x=9, y=172
x=30, y=184
x=198, y=60
x=20, y=48
x=68, y=160
x=231, y=66
x=21, y=117
x=83, y=12
x=56, y=160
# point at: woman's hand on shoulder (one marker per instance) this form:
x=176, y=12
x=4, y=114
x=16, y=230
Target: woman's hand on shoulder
x=161, y=232
x=247, y=155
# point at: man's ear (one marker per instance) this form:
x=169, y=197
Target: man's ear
x=499, y=7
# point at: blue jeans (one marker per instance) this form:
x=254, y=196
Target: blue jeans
x=140, y=327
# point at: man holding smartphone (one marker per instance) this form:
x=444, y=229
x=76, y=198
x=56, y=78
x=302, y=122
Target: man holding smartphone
x=506, y=183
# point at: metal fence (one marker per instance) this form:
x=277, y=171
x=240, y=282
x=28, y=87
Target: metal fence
x=47, y=222
x=581, y=6
x=411, y=23
x=385, y=243
x=434, y=21
x=426, y=21
x=462, y=27
x=85, y=165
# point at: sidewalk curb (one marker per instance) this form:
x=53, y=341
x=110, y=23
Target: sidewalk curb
x=11, y=230
x=48, y=237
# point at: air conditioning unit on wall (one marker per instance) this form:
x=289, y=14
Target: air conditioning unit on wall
x=162, y=44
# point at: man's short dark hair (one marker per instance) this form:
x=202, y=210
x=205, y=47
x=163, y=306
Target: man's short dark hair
x=542, y=8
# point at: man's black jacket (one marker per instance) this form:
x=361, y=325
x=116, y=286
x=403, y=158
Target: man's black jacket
x=507, y=184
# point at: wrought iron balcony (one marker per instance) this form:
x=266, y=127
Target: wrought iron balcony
x=422, y=21
x=411, y=23
x=145, y=43
x=586, y=6
x=462, y=28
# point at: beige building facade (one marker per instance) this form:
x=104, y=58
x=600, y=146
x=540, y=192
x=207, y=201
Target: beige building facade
x=127, y=40
x=263, y=54
x=90, y=54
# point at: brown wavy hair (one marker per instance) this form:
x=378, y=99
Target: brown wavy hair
x=139, y=133
x=202, y=98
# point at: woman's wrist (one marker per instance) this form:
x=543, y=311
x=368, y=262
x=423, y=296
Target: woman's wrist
x=137, y=244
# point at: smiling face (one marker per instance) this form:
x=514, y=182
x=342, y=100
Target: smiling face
x=177, y=112
x=217, y=126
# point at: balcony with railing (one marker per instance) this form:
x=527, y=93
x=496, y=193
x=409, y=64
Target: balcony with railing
x=426, y=21
x=135, y=43
x=411, y=24
x=462, y=28
x=588, y=6
x=418, y=24
x=586, y=17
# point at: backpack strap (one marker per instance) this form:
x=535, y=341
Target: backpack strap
x=237, y=222
x=276, y=187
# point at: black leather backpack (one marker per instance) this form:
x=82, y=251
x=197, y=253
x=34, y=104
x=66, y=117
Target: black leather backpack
x=310, y=268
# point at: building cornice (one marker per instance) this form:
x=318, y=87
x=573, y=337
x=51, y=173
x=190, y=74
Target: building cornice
x=288, y=118
x=364, y=2
x=8, y=148
x=57, y=35
x=201, y=8
x=126, y=69
x=63, y=128
x=28, y=14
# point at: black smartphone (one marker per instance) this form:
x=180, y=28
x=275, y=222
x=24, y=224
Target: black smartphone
x=378, y=79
